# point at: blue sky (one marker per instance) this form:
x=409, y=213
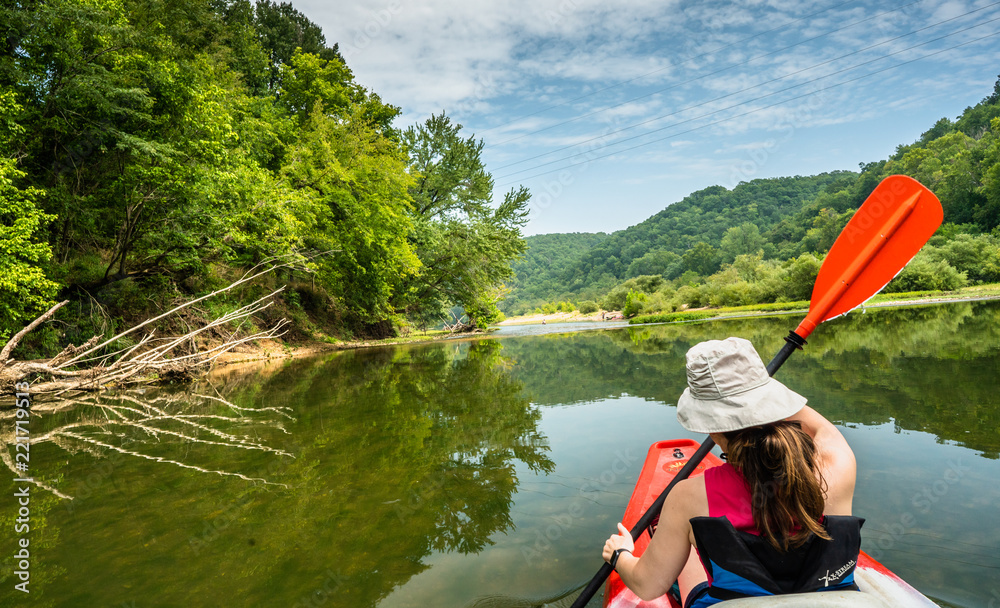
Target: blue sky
x=608, y=112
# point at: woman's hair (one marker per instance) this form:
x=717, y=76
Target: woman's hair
x=778, y=461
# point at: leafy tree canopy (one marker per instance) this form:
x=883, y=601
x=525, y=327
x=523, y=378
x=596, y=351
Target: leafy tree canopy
x=465, y=244
x=162, y=146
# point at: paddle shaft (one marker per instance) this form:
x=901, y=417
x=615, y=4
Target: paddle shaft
x=792, y=342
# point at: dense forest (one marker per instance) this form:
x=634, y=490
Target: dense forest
x=548, y=258
x=764, y=240
x=151, y=152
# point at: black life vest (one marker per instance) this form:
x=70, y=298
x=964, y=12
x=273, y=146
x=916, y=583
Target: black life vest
x=740, y=564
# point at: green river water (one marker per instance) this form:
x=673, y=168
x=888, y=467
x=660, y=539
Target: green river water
x=487, y=472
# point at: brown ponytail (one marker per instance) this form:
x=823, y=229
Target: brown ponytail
x=778, y=461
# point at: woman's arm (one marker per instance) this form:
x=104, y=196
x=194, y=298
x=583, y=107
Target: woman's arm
x=651, y=575
x=836, y=460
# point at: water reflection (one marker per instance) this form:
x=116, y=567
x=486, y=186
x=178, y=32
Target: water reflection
x=427, y=475
x=921, y=368
x=398, y=454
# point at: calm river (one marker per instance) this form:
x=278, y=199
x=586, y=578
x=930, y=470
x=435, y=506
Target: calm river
x=485, y=473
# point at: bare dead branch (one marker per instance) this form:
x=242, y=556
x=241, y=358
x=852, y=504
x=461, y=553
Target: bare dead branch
x=145, y=361
x=115, y=448
x=241, y=281
x=5, y=456
x=13, y=342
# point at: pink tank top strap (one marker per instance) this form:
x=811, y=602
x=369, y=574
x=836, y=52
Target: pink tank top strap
x=729, y=495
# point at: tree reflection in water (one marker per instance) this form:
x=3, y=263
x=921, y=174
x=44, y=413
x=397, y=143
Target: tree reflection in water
x=398, y=453
x=404, y=454
x=921, y=367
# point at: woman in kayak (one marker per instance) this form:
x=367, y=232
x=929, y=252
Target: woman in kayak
x=775, y=519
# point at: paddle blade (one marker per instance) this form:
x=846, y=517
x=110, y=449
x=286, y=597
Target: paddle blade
x=889, y=229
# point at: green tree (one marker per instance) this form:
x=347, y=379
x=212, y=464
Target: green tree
x=927, y=272
x=163, y=147
x=247, y=55
x=282, y=31
x=702, y=258
x=465, y=245
x=358, y=183
x=941, y=128
x=947, y=165
x=659, y=261
x=826, y=227
x=615, y=298
x=802, y=273
x=977, y=257
x=25, y=290
x=739, y=240
x=975, y=121
x=989, y=215
x=634, y=301
x=310, y=81
x=142, y=139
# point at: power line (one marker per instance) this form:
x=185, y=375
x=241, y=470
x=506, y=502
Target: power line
x=673, y=86
x=754, y=110
x=689, y=59
x=654, y=119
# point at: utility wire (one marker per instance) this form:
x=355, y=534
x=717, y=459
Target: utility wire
x=657, y=71
x=673, y=86
x=654, y=119
x=752, y=111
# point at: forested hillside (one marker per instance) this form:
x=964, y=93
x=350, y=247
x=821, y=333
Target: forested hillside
x=687, y=235
x=764, y=240
x=154, y=151
x=548, y=258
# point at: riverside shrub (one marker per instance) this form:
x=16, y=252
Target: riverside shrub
x=927, y=272
x=633, y=303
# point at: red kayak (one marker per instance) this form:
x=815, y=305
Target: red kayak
x=879, y=586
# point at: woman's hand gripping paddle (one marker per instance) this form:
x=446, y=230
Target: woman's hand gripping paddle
x=889, y=229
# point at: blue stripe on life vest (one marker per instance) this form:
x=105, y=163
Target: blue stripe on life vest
x=724, y=579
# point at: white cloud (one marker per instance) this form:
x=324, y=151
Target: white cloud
x=677, y=79
x=430, y=53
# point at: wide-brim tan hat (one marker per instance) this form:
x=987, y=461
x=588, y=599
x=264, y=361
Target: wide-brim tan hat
x=729, y=389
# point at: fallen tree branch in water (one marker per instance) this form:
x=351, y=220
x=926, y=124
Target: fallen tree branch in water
x=148, y=360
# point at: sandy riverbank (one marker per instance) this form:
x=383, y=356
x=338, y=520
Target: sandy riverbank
x=268, y=350
x=562, y=317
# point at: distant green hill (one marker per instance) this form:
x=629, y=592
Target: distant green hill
x=777, y=220
x=549, y=256
x=584, y=265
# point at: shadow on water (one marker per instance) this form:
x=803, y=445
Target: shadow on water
x=561, y=599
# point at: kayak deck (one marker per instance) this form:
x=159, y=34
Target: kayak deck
x=879, y=586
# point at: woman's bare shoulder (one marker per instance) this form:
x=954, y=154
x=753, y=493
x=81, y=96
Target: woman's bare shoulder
x=688, y=498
